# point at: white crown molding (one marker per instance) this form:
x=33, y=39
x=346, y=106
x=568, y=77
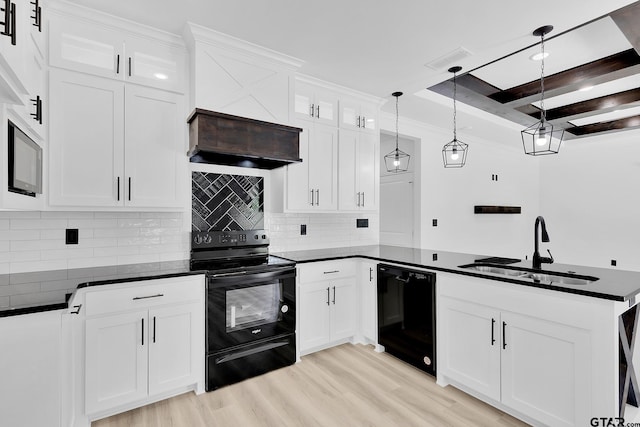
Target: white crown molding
x=70, y=10
x=196, y=33
x=303, y=78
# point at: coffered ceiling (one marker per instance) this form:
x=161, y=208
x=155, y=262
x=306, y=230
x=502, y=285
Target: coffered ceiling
x=381, y=47
x=592, y=79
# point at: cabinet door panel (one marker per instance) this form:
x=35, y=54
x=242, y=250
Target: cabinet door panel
x=154, y=64
x=80, y=46
x=368, y=159
x=369, y=300
x=314, y=315
x=298, y=191
x=343, y=308
x=466, y=351
x=323, y=152
x=86, y=140
x=544, y=370
x=154, y=147
x=116, y=360
x=349, y=196
x=173, y=357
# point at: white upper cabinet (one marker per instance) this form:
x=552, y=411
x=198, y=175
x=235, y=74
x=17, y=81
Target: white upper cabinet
x=357, y=171
x=315, y=103
x=312, y=184
x=114, y=145
x=358, y=115
x=85, y=46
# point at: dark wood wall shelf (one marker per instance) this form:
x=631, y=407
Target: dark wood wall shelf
x=484, y=209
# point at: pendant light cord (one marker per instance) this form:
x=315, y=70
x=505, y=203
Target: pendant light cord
x=455, y=87
x=543, y=114
x=397, y=124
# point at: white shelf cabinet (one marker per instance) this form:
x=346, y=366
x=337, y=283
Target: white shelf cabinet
x=531, y=361
x=312, y=184
x=327, y=301
x=358, y=115
x=114, y=144
x=358, y=160
x=316, y=104
x=89, y=47
x=143, y=340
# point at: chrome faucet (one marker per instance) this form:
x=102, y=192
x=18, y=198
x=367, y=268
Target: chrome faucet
x=537, y=259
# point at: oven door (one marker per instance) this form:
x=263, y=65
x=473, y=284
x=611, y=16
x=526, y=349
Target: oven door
x=243, y=307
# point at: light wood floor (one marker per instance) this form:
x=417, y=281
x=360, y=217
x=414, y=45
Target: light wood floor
x=348, y=385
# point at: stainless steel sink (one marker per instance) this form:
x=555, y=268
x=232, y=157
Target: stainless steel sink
x=541, y=276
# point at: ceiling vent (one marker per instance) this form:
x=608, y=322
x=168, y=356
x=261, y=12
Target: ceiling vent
x=445, y=61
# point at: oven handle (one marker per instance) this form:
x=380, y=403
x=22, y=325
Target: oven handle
x=242, y=272
x=233, y=273
x=249, y=352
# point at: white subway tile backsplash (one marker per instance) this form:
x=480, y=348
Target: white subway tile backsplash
x=35, y=241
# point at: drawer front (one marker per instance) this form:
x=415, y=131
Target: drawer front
x=326, y=270
x=143, y=294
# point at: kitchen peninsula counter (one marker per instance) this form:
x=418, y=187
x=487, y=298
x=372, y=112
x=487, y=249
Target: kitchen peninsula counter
x=617, y=285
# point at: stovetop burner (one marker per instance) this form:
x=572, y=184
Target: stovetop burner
x=228, y=251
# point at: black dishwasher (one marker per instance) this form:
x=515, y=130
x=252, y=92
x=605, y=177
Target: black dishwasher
x=407, y=315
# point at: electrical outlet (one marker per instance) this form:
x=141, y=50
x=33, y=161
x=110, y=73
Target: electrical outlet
x=435, y=257
x=71, y=236
x=434, y=222
x=362, y=223
x=614, y=262
x=303, y=229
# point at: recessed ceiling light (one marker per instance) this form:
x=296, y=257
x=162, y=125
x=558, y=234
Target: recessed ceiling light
x=586, y=88
x=538, y=56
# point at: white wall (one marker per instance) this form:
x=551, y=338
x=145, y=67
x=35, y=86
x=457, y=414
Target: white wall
x=449, y=195
x=591, y=203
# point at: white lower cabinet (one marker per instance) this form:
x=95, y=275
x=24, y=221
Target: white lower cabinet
x=368, y=275
x=30, y=370
x=327, y=301
x=143, y=342
x=538, y=367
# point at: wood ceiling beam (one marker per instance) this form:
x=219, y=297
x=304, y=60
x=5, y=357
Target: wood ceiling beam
x=572, y=76
x=614, y=125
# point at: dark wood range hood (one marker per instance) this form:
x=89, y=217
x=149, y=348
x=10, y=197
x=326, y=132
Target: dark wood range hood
x=224, y=139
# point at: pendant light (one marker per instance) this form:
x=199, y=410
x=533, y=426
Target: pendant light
x=397, y=160
x=454, y=153
x=541, y=138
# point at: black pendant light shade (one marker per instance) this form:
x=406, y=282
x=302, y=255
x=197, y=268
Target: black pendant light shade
x=397, y=160
x=542, y=138
x=454, y=153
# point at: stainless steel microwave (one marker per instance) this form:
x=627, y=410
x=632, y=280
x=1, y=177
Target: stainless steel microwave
x=25, y=163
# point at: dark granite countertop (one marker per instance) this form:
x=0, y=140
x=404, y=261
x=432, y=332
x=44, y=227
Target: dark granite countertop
x=25, y=293
x=617, y=285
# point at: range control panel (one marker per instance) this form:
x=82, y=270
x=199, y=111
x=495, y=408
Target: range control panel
x=217, y=239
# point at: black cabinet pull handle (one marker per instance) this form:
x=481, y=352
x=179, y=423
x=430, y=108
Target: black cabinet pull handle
x=13, y=24
x=311, y=197
x=334, y=295
x=148, y=296
x=317, y=197
x=129, y=188
x=363, y=199
x=318, y=111
x=331, y=272
x=142, y=331
x=311, y=110
x=129, y=66
x=37, y=103
x=118, y=64
x=370, y=274
x=37, y=14
x=154, y=329
x=7, y=18
x=118, y=185
x=327, y=296
x=493, y=340
x=504, y=335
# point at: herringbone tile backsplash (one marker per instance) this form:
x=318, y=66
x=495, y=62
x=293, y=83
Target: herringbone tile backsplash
x=226, y=202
